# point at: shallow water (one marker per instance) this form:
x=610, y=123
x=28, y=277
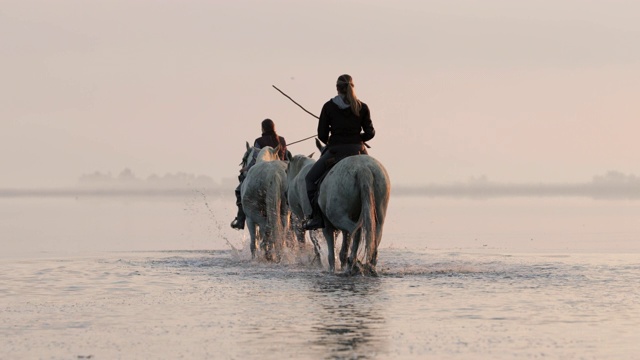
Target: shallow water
x=150, y=278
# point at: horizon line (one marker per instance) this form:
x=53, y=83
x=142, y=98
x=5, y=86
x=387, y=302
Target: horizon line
x=608, y=189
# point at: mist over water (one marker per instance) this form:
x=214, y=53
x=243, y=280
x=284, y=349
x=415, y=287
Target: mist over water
x=459, y=278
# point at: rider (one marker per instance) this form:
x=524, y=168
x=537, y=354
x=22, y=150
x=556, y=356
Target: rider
x=269, y=138
x=341, y=121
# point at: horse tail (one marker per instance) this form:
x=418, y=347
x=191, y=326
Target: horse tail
x=274, y=208
x=368, y=216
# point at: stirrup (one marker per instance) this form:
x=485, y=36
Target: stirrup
x=237, y=224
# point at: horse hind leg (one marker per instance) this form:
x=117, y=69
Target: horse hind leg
x=266, y=244
x=313, y=234
x=251, y=226
x=296, y=224
x=371, y=260
x=344, y=250
x=329, y=235
x=353, y=266
x=374, y=252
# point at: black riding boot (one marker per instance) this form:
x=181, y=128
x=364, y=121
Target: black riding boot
x=238, y=222
x=315, y=221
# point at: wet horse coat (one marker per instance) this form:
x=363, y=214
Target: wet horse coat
x=297, y=170
x=263, y=201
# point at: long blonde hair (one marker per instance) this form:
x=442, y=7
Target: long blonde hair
x=345, y=86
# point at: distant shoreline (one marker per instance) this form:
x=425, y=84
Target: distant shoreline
x=492, y=190
x=485, y=190
x=80, y=192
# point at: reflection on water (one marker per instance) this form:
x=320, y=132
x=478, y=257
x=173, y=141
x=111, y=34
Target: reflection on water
x=350, y=319
x=210, y=304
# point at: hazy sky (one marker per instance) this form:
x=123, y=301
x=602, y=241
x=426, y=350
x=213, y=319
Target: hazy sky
x=518, y=91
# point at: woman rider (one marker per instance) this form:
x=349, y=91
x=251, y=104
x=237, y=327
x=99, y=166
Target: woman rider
x=344, y=125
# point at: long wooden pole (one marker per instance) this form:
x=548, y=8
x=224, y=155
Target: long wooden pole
x=301, y=107
x=307, y=111
x=301, y=140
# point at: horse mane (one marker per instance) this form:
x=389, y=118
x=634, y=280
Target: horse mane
x=268, y=153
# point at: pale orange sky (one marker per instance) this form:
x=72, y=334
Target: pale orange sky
x=517, y=91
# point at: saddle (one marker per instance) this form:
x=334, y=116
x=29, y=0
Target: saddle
x=316, y=221
x=329, y=164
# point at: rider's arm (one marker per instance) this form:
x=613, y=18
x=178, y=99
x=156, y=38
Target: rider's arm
x=323, y=125
x=367, y=125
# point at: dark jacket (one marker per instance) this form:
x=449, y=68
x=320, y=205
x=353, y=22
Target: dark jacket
x=269, y=139
x=339, y=126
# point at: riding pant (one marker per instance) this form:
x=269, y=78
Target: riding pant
x=330, y=156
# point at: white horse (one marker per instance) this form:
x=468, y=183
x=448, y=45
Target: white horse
x=297, y=170
x=353, y=197
x=263, y=200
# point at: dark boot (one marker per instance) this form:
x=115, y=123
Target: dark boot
x=238, y=222
x=315, y=221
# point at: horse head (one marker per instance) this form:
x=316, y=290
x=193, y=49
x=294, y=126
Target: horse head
x=248, y=155
x=296, y=164
x=253, y=155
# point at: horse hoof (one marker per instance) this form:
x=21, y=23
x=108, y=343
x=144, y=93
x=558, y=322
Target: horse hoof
x=371, y=271
x=316, y=262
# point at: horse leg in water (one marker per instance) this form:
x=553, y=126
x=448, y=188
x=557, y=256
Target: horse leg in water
x=352, y=267
x=379, y=217
x=251, y=226
x=344, y=250
x=313, y=234
x=330, y=235
x=296, y=224
x=267, y=243
x=378, y=238
x=298, y=229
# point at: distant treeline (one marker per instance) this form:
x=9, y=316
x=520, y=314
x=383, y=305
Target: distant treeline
x=613, y=185
x=126, y=183
x=511, y=190
x=112, y=192
x=127, y=179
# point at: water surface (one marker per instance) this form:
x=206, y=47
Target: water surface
x=459, y=279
